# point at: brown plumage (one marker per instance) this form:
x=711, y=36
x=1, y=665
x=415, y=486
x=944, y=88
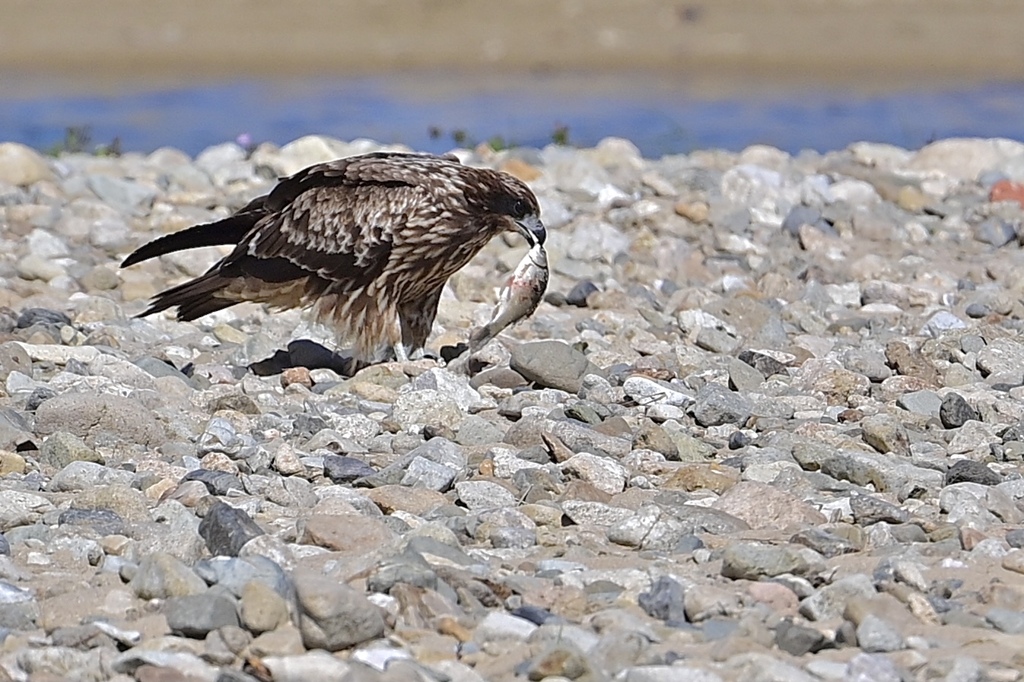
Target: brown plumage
x=368, y=241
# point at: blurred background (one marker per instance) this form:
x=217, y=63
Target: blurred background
x=670, y=75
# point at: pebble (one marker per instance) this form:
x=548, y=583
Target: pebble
x=709, y=467
x=199, y=614
x=225, y=530
x=334, y=616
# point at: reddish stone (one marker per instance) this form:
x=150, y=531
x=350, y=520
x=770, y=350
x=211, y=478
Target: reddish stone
x=1005, y=190
x=296, y=375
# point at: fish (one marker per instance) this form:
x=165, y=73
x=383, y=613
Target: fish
x=518, y=299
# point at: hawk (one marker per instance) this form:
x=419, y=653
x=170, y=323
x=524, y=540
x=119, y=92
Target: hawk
x=367, y=241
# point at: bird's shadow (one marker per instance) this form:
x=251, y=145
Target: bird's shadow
x=312, y=355
x=309, y=354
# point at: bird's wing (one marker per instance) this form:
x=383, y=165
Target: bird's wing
x=337, y=220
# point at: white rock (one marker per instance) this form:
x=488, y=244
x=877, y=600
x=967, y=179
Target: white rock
x=498, y=625
x=21, y=165
x=33, y=267
x=506, y=463
x=646, y=391
x=966, y=158
x=603, y=473
x=46, y=244
x=477, y=495
x=314, y=665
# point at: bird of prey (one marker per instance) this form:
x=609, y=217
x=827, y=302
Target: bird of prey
x=367, y=241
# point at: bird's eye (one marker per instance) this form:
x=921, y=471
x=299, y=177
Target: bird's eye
x=519, y=208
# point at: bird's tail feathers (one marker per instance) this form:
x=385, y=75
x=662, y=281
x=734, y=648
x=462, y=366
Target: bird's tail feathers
x=194, y=298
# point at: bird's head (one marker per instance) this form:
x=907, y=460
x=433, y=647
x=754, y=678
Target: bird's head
x=514, y=205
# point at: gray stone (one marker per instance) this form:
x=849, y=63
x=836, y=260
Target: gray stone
x=1006, y=620
x=226, y=529
x=579, y=437
x=80, y=475
x=830, y=601
x=969, y=471
x=716, y=404
x=423, y=473
x=552, y=364
x=869, y=363
x=995, y=232
x=926, y=403
x=333, y=616
x=21, y=509
x=753, y=561
x=885, y=434
x=955, y=411
x=868, y=509
x=651, y=529
x=161, y=576
x=427, y=407
x=343, y=469
x=477, y=495
x=664, y=600
x=798, y=640
x=875, y=635
x=871, y=668
x=125, y=195
x=744, y=378
x=1003, y=355
x=452, y=385
x=99, y=418
x=62, y=448
x=198, y=614
x=475, y=430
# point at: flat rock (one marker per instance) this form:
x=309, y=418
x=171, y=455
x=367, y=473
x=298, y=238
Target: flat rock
x=93, y=417
x=753, y=561
x=345, y=532
x=765, y=506
x=551, y=364
x=162, y=576
x=198, y=614
x=334, y=616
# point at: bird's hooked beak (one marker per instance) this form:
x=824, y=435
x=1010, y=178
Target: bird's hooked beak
x=532, y=229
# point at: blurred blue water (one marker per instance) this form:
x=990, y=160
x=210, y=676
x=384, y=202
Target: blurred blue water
x=660, y=119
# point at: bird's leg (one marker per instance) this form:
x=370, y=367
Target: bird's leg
x=416, y=318
x=399, y=350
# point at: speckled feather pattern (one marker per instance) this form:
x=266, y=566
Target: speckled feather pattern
x=368, y=242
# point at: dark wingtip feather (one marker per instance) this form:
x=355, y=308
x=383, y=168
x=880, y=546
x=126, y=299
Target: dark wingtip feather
x=227, y=231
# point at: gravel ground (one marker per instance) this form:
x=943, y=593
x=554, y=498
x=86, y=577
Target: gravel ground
x=766, y=425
